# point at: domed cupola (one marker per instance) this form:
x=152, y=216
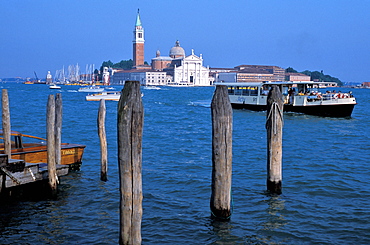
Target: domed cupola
x=177, y=51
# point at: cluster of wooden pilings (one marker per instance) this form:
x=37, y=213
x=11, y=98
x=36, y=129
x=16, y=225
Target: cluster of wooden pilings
x=32, y=173
x=130, y=132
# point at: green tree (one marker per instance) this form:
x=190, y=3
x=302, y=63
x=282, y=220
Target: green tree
x=291, y=70
x=317, y=75
x=124, y=64
x=106, y=64
x=320, y=76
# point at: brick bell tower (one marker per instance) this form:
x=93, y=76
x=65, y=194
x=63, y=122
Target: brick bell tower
x=138, y=43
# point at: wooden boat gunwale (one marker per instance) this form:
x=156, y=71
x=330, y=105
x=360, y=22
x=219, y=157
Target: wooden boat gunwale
x=71, y=154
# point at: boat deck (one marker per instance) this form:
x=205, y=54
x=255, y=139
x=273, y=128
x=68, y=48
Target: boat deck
x=30, y=173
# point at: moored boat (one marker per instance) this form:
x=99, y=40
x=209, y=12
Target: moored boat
x=303, y=97
x=33, y=149
x=114, y=95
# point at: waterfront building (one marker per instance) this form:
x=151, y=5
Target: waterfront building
x=177, y=69
x=146, y=77
x=249, y=73
x=295, y=76
x=184, y=70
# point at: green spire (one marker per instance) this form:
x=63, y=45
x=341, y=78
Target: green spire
x=138, y=21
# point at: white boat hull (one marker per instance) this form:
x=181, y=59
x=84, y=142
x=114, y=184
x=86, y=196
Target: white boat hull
x=115, y=96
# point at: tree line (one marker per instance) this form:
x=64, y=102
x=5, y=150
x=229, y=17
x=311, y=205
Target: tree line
x=123, y=64
x=317, y=75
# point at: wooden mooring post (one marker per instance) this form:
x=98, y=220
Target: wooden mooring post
x=6, y=123
x=130, y=130
x=50, y=135
x=221, y=154
x=58, y=127
x=6, y=136
x=103, y=141
x=274, y=127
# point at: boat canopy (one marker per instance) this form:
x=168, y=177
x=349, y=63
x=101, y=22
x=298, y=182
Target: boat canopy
x=260, y=84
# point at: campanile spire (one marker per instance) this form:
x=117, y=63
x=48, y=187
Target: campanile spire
x=138, y=42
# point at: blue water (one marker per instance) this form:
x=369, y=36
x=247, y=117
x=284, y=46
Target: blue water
x=326, y=173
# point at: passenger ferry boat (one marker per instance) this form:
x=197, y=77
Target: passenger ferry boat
x=303, y=97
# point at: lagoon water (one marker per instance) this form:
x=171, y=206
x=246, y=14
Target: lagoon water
x=326, y=191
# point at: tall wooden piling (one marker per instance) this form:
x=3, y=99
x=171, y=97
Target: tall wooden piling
x=6, y=124
x=274, y=127
x=103, y=141
x=50, y=132
x=58, y=127
x=130, y=130
x=221, y=153
x=6, y=135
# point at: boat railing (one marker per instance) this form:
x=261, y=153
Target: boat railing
x=327, y=97
x=318, y=97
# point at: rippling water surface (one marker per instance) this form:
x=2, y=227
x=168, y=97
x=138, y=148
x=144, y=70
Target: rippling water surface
x=326, y=173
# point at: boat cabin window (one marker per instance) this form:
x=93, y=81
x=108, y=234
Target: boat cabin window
x=246, y=91
x=285, y=90
x=306, y=89
x=23, y=141
x=301, y=89
x=16, y=142
x=32, y=141
x=230, y=90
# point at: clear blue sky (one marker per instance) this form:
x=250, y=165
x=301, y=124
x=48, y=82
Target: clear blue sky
x=329, y=35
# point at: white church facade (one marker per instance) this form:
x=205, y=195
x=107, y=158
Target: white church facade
x=189, y=71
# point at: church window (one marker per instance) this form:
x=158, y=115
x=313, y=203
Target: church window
x=140, y=35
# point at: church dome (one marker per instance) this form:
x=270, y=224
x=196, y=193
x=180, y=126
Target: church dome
x=177, y=51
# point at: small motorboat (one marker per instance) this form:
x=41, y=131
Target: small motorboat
x=54, y=86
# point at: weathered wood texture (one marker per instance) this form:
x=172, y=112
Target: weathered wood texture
x=103, y=141
x=222, y=116
x=6, y=123
x=58, y=127
x=33, y=172
x=274, y=127
x=50, y=133
x=130, y=130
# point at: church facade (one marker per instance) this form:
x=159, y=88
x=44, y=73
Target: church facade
x=177, y=69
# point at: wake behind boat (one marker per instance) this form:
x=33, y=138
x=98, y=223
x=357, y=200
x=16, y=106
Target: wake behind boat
x=91, y=89
x=303, y=97
x=151, y=87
